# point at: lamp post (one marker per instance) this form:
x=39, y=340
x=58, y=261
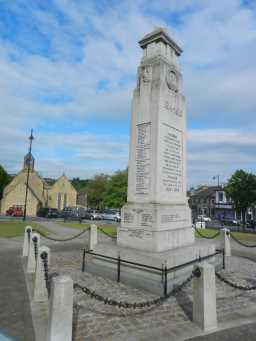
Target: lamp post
x=218, y=179
x=31, y=138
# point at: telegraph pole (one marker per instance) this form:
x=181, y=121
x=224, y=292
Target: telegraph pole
x=31, y=138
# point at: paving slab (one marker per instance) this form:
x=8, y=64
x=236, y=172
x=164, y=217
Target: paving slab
x=15, y=315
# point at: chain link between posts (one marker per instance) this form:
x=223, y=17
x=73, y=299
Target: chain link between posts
x=44, y=258
x=239, y=242
x=35, y=241
x=207, y=237
x=135, y=305
x=107, y=234
x=65, y=239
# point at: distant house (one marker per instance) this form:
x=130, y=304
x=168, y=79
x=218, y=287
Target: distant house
x=41, y=192
x=202, y=201
x=213, y=202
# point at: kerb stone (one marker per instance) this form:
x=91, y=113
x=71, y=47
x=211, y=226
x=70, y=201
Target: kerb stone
x=26, y=241
x=61, y=309
x=93, y=238
x=204, y=295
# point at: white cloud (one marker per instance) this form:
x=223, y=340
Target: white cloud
x=91, y=46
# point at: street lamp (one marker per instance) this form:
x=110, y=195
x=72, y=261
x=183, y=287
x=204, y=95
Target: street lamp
x=218, y=179
x=31, y=138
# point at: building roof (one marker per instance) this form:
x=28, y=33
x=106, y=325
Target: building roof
x=205, y=191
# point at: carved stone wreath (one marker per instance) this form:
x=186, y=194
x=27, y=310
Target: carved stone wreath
x=147, y=74
x=172, y=80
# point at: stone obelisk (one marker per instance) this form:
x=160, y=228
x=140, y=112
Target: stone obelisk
x=157, y=216
x=155, y=228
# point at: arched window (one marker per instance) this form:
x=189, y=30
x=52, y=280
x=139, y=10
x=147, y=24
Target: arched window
x=65, y=200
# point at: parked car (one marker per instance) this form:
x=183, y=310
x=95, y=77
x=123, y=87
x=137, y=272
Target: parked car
x=230, y=222
x=47, y=212
x=251, y=224
x=72, y=213
x=111, y=215
x=92, y=215
x=15, y=211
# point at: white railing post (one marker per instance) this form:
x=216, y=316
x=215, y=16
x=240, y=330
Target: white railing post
x=40, y=289
x=27, y=237
x=225, y=241
x=93, y=238
x=204, y=296
x=31, y=265
x=61, y=309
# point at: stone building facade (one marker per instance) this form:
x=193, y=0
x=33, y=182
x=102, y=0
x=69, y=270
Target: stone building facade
x=213, y=202
x=41, y=193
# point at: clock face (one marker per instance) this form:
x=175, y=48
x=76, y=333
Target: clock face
x=172, y=80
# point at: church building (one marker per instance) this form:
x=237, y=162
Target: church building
x=41, y=192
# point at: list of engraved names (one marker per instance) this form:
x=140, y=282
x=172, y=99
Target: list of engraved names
x=172, y=159
x=143, y=159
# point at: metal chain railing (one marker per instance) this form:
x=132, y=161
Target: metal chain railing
x=239, y=241
x=35, y=240
x=65, y=239
x=135, y=305
x=207, y=237
x=234, y=285
x=44, y=257
x=107, y=234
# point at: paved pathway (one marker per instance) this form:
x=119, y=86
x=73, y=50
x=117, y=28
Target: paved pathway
x=15, y=315
x=246, y=332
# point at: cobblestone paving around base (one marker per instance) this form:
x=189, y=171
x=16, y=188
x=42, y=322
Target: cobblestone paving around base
x=96, y=321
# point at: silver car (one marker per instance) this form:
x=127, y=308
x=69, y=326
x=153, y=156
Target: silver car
x=111, y=215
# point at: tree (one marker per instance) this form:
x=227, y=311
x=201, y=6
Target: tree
x=4, y=180
x=80, y=185
x=241, y=188
x=116, y=191
x=96, y=191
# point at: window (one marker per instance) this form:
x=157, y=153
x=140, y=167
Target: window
x=220, y=196
x=59, y=201
x=65, y=200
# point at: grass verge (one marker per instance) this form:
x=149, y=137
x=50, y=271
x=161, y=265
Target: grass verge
x=247, y=237
x=11, y=229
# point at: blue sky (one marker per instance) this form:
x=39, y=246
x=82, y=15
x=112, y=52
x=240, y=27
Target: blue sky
x=68, y=69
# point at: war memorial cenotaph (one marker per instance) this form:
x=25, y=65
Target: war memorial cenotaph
x=156, y=227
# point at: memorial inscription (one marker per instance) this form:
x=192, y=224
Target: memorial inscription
x=143, y=158
x=172, y=171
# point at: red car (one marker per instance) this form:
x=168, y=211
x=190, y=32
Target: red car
x=15, y=211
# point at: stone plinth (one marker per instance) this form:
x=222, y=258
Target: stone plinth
x=147, y=279
x=155, y=227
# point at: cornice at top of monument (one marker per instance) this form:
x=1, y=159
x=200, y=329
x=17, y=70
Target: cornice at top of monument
x=160, y=34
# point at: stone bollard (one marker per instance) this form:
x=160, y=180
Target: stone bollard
x=204, y=297
x=27, y=237
x=93, y=238
x=61, y=309
x=40, y=289
x=31, y=265
x=225, y=241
